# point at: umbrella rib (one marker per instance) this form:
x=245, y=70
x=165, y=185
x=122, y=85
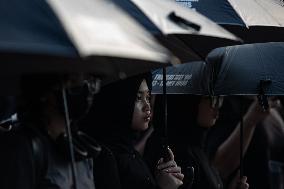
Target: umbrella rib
x=238, y=12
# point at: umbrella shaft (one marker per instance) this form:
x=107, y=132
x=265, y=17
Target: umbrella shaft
x=70, y=142
x=165, y=102
x=241, y=148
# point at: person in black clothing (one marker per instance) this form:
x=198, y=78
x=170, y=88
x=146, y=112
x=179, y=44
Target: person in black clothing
x=189, y=119
x=263, y=141
x=120, y=113
x=36, y=156
x=264, y=158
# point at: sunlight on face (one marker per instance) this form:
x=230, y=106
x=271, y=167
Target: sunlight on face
x=142, y=110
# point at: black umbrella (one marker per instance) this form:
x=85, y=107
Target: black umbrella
x=252, y=69
x=188, y=34
x=249, y=69
x=72, y=36
x=252, y=20
x=182, y=79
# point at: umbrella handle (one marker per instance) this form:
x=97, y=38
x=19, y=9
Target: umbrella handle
x=262, y=98
x=241, y=147
x=165, y=147
x=165, y=153
x=189, y=171
x=263, y=101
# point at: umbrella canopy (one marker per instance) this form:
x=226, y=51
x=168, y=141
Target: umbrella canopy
x=186, y=33
x=249, y=69
x=182, y=79
x=73, y=36
x=252, y=20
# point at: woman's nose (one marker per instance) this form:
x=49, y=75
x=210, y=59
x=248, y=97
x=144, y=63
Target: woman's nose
x=147, y=106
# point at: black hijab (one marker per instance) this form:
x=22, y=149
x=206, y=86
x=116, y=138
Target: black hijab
x=188, y=141
x=182, y=120
x=110, y=117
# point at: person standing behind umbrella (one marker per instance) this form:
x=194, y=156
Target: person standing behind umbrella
x=189, y=119
x=36, y=155
x=120, y=114
x=261, y=130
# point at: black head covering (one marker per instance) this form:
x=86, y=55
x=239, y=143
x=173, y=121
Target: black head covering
x=188, y=140
x=182, y=120
x=110, y=117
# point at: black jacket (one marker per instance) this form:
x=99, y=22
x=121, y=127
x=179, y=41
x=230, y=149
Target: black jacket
x=42, y=167
x=16, y=163
x=106, y=171
x=109, y=121
x=188, y=141
x=133, y=170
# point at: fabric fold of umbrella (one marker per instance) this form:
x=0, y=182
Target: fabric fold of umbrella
x=188, y=34
x=72, y=36
x=252, y=20
x=248, y=69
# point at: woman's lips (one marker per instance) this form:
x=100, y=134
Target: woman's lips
x=147, y=117
x=214, y=113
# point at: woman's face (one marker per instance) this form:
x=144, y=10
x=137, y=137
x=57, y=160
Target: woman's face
x=142, y=109
x=208, y=111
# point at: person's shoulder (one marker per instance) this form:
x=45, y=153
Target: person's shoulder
x=19, y=140
x=124, y=154
x=120, y=147
x=15, y=147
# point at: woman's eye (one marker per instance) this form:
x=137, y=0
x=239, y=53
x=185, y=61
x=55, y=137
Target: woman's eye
x=148, y=98
x=139, y=98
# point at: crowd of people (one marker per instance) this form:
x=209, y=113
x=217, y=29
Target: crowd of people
x=119, y=139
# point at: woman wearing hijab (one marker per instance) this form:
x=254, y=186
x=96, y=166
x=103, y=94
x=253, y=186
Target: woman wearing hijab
x=120, y=113
x=189, y=119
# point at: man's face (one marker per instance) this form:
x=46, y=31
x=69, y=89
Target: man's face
x=83, y=84
x=80, y=90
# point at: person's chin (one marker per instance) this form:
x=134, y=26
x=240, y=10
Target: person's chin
x=144, y=126
x=208, y=124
